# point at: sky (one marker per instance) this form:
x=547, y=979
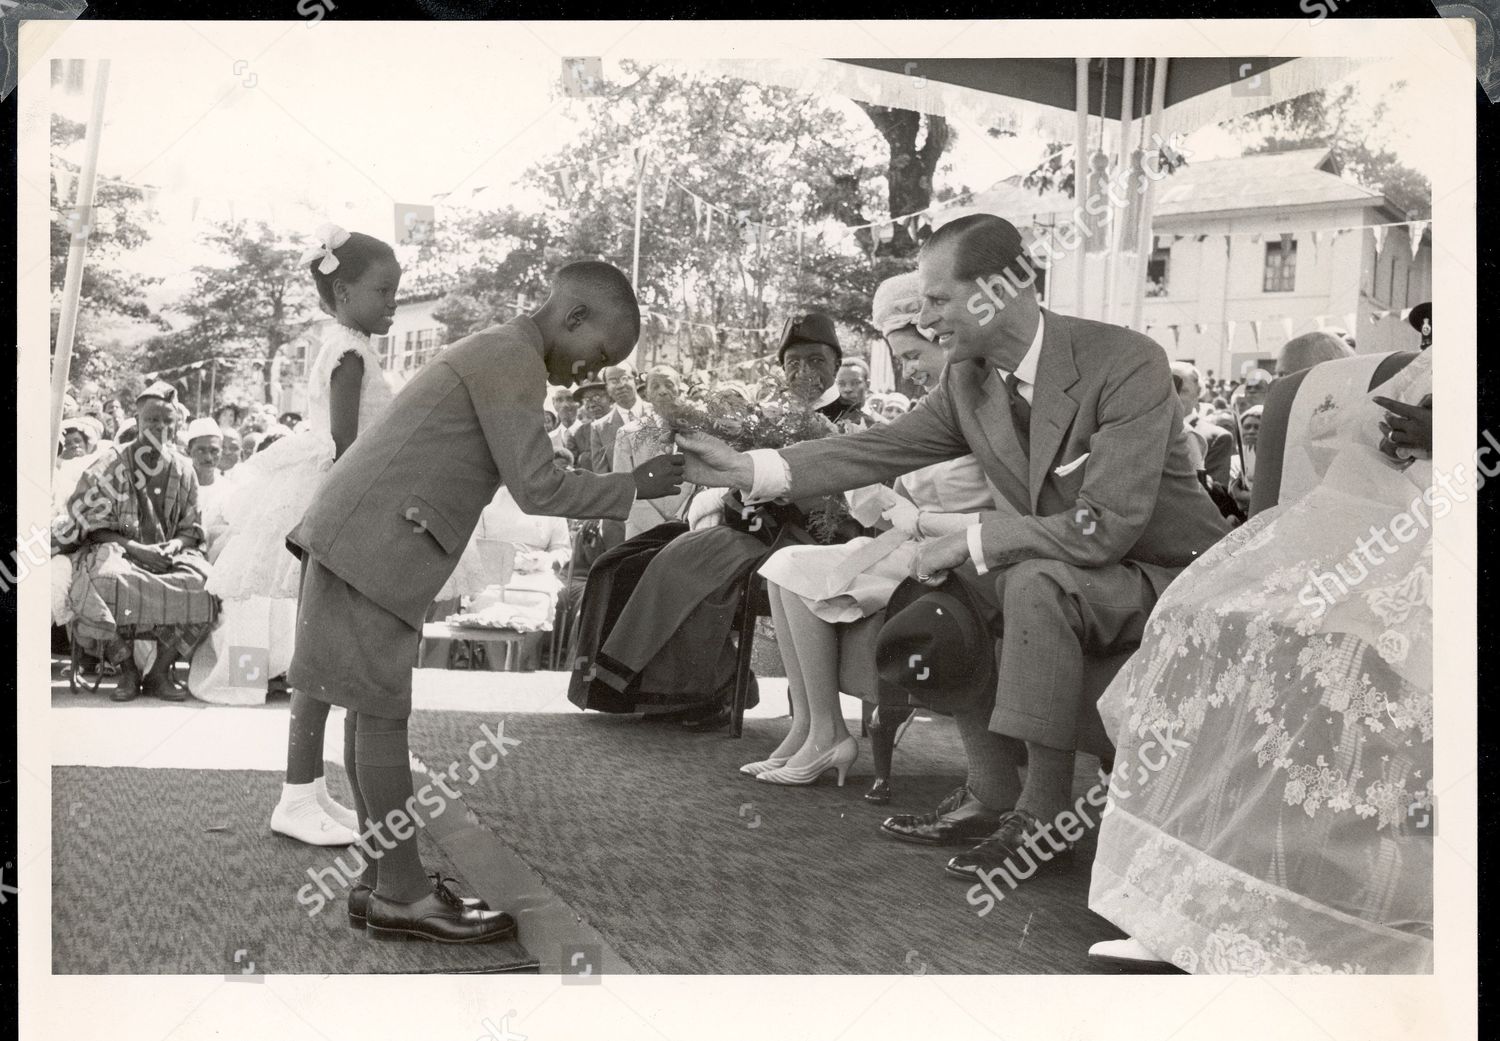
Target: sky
x=269, y=121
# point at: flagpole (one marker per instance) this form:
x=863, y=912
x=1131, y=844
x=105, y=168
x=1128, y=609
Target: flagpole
x=1081, y=173
x=82, y=221
x=640, y=191
x=1146, y=240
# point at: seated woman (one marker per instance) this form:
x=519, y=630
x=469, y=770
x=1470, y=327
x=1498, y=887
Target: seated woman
x=816, y=590
x=1274, y=731
x=138, y=582
x=635, y=443
x=655, y=628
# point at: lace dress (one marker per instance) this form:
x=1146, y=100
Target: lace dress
x=1271, y=802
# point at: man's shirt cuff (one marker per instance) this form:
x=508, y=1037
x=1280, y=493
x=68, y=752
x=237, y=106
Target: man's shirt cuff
x=976, y=548
x=773, y=478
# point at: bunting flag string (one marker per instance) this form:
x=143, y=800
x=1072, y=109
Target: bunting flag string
x=1414, y=232
x=1379, y=230
x=677, y=322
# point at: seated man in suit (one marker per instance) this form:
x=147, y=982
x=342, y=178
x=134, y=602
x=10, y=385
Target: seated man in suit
x=1217, y=443
x=626, y=406
x=1075, y=422
x=593, y=401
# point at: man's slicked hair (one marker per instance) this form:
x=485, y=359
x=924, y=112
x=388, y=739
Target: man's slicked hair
x=984, y=245
x=601, y=281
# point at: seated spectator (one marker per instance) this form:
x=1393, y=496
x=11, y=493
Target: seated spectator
x=655, y=630
x=636, y=443
x=132, y=527
x=1215, y=444
x=626, y=406
x=204, y=447
x=113, y=416
x=853, y=381
x=542, y=547
x=814, y=599
x=1284, y=830
x=1307, y=350
x=81, y=436
x=896, y=404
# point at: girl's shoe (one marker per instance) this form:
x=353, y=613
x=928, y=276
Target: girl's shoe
x=840, y=757
x=339, y=812
x=304, y=819
x=765, y=765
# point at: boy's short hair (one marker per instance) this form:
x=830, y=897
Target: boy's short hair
x=596, y=278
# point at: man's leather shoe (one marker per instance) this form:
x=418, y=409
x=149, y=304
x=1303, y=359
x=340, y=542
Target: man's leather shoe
x=935, y=829
x=359, y=899
x=439, y=916
x=1021, y=845
x=127, y=687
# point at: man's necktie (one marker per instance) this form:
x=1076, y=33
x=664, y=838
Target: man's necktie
x=1020, y=410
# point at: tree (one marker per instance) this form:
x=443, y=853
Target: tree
x=248, y=309
x=770, y=159
x=1343, y=120
x=109, y=294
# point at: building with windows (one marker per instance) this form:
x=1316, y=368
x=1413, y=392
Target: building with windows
x=1248, y=253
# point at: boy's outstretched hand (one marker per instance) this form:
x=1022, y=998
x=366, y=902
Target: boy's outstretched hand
x=659, y=476
x=713, y=464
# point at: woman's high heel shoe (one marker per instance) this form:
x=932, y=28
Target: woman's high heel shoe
x=840, y=757
x=765, y=765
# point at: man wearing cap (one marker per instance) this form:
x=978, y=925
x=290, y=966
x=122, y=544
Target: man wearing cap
x=1076, y=424
x=594, y=402
x=132, y=526
x=810, y=358
x=626, y=406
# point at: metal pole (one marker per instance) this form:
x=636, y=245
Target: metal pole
x=82, y=221
x=213, y=378
x=1081, y=174
x=1117, y=219
x=640, y=191
x=1148, y=204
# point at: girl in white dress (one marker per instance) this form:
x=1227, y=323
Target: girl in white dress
x=256, y=576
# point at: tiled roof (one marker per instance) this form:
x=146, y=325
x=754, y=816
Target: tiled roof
x=1302, y=178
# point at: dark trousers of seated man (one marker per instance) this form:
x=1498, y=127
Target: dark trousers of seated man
x=1049, y=616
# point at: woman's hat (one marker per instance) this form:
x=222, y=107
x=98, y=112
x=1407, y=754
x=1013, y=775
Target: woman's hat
x=88, y=426
x=936, y=647
x=161, y=390
x=898, y=302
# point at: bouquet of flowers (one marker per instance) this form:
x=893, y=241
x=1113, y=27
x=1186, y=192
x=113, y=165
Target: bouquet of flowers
x=772, y=417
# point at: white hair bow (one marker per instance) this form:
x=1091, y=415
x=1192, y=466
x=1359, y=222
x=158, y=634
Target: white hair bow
x=330, y=237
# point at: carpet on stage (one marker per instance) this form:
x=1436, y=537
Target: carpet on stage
x=686, y=865
x=177, y=871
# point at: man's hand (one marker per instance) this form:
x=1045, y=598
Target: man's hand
x=713, y=464
x=658, y=477
x=904, y=517
x=149, y=557
x=1407, y=426
x=936, y=557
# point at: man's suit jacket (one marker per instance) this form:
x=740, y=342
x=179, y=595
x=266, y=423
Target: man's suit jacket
x=1101, y=391
x=1219, y=450
x=582, y=446
x=602, y=439
x=395, y=512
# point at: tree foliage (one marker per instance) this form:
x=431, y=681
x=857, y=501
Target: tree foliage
x=247, y=309
x=773, y=158
x=1341, y=119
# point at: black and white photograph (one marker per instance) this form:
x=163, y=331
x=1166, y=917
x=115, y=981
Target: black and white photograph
x=741, y=529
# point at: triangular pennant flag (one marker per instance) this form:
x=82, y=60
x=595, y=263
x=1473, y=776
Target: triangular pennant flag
x=1287, y=325
x=1317, y=240
x=1255, y=238
x=1376, y=316
x=666, y=191
x=1414, y=232
x=1378, y=230
x=565, y=183
x=1176, y=339
x=1255, y=331
x=193, y=213
x=1229, y=334
x=1199, y=328
x=708, y=222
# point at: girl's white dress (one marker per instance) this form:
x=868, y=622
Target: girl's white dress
x=255, y=575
